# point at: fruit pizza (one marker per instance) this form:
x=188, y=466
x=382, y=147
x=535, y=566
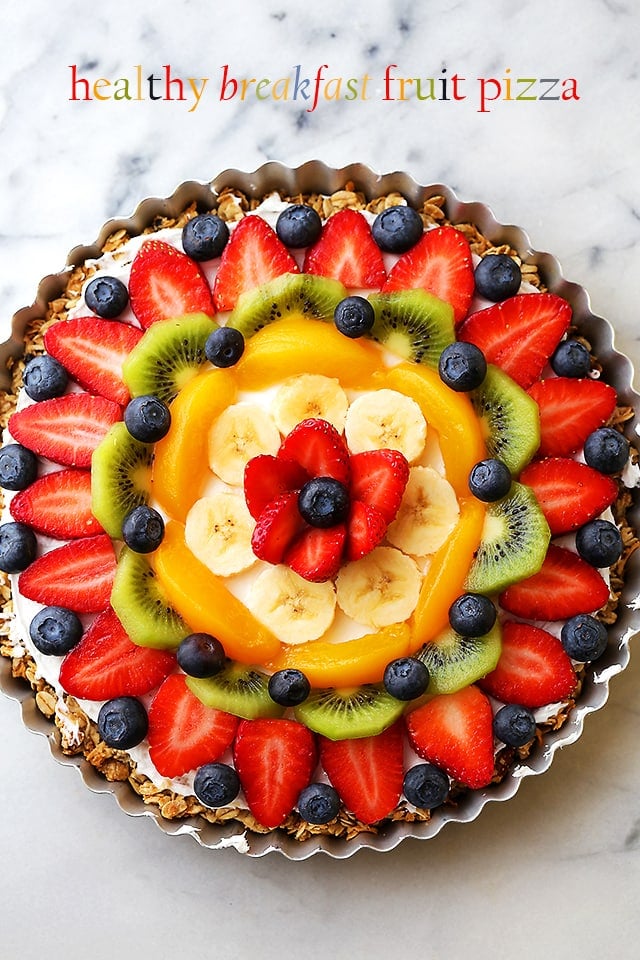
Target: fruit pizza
x=313, y=516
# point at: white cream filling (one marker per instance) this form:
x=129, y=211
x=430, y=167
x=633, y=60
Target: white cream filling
x=118, y=264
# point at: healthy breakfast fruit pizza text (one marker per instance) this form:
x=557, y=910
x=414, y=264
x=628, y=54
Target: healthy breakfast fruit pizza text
x=314, y=512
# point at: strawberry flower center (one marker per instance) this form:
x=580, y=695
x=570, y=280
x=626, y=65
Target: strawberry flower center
x=317, y=505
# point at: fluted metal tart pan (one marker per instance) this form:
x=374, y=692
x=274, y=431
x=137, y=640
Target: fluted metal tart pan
x=315, y=177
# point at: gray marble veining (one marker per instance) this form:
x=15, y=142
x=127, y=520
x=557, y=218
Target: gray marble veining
x=558, y=865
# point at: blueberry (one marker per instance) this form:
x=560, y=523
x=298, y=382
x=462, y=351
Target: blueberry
x=18, y=467
x=514, y=725
x=606, y=450
x=289, y=687
x=425, y=786
x=462, y=366
x=583, y=638
x=298, y=226
x=397, y=229
x=204, y=237
x=44, y=377
x=18, y=547
x=224, y=347
x=599, y=543
x=571, y=359
x=353, y=317
x=216, y=784
x=323, y=502
x=406, y=678
x=490, y=480
x=106, y=296
x=55, y=631
x=497, y=277
x=123, y=722
x=201, y=655
x=318, y=803
x=472, y=615
x=143, y=529
x=147, y=418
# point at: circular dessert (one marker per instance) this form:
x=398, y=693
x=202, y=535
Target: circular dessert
x=317, y=521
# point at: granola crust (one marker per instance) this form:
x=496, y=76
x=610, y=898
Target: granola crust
x=76, y=734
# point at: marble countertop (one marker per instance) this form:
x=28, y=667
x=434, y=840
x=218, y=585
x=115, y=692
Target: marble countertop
x=555, y=870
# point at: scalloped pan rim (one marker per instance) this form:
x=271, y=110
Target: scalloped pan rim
x=315, y=176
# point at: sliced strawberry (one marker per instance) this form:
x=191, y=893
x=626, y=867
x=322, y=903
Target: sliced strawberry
x=93, y=351
x=278, y=526
x=366, y=528
x=317, y=553
x=519, y=334
x=347, y=252
x=106, y=663
x=570, y=410
x=366, y=772
x=59, y=505
x=455, y=731
x=78, y=575
x=565, y=586
x=165, y=283
x=254, y=255
x=533, y=668
x=65, y=429
x=441, y=263
x=570, y=493
x=319, y=449
x=183, y=733
x=379, y=478
x=267, y=477
x=274, y=760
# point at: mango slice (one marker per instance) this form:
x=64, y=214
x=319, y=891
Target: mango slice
x=298, y=345
x=448, y=412
x=283, y=349
x=346, y=664
x=181, y=461
x=445, y=578
x=205, y=603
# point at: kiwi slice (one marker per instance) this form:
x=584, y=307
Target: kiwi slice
x=120, y=477
x=413, y=324
x=514, y=542
x=349, y=712
x=168, y=356
x=454, y=662
x=510, y=419
x=237, y=689
x=290, y=295
x=141, y=606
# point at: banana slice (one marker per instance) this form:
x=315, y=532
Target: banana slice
x=428, y=513
x=294, y=609
x=380, y=589
x=309, y=395
x=386, y=419
x=242, y=431
x=218, y=531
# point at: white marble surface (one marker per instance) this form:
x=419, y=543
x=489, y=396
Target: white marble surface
x=556, y=870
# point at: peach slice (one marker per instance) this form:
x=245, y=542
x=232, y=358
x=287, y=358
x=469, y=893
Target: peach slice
x=346, y=664
x=444, y=580
x=448, y=412
x=292, y=346
x=205, y=603
x=181, y=458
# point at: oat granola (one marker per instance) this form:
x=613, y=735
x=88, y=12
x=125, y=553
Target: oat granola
x=77, y=734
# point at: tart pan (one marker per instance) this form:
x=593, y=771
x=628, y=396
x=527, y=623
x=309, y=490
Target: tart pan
x=315, y=177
